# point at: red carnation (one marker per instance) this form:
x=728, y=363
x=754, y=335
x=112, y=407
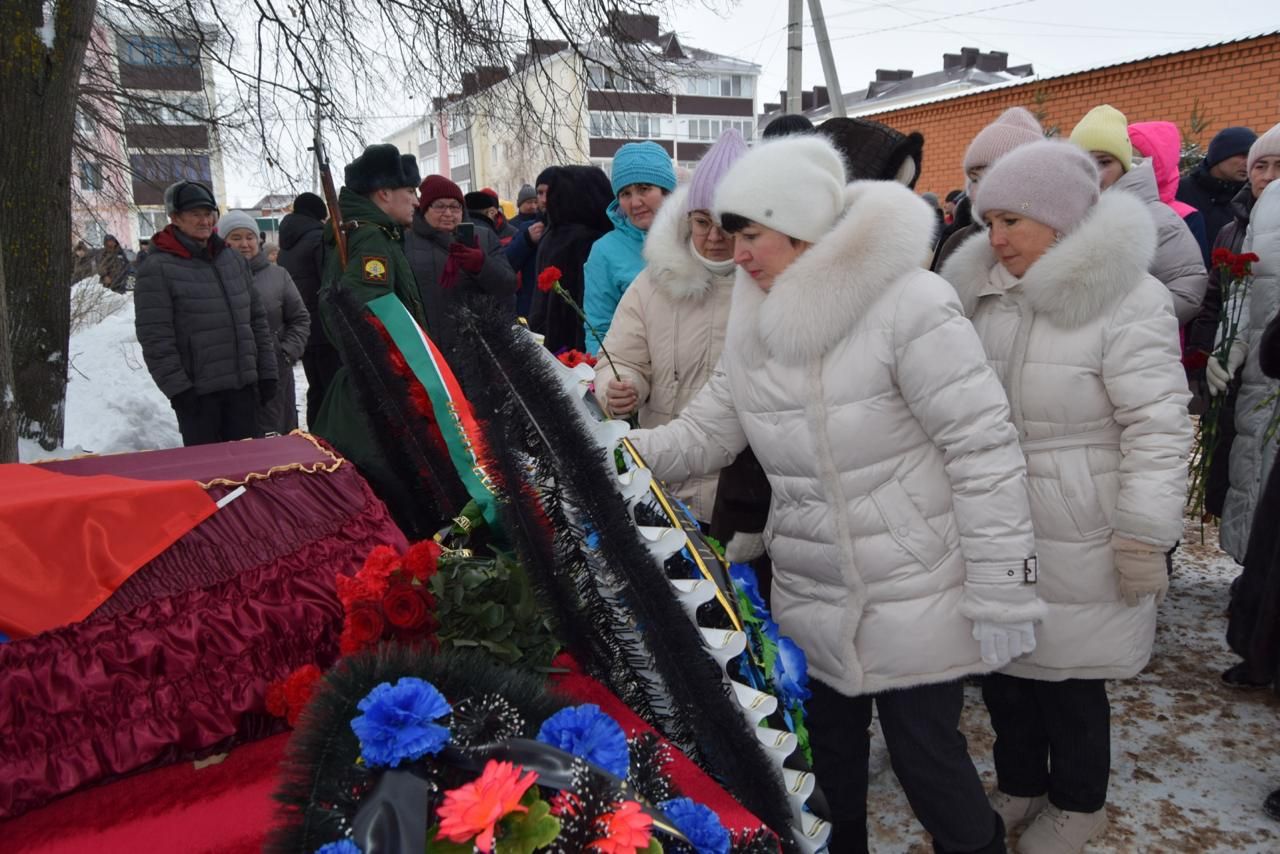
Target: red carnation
x=422, y=558
x=353, y=590
x=377, y=569
x=548, y=279
x=404, y=608
x=366, y=625
x=1221, y=255
x=298, y=689
x=276, y=703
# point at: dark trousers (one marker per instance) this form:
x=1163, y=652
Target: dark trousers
x=1051, y=738
x=221, y=416
x=929, y=756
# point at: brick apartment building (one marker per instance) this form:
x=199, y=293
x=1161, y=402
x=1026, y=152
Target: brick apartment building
x=1228, y=83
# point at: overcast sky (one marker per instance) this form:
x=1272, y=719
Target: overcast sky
x=1055, y=36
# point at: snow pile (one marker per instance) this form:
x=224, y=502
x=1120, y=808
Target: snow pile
x=1191, y=759
x=112, y=403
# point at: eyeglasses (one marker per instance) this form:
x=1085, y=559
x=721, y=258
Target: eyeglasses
x=702, y=225
x=445, y=207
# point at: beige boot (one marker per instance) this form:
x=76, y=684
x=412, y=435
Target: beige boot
x=1058, y=831
x=1016, y=811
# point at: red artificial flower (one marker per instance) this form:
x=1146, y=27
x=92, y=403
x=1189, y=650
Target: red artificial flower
x=422, y=559
x=366, y=625
x=471, y=811
x=298, y=689
x=548, y=279
x=404, y=608
x=626, y=830
x=277, y=705
x=377, y=569
x=353, y=590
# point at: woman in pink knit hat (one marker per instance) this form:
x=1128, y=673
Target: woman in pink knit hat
x=1085, y=342
x=668, y=330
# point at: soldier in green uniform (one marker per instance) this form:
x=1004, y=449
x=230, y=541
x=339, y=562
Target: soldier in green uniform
x=378, y=199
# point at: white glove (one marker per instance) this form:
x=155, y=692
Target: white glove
x=1003, y=642
x=1217, y=376
x=744, y=547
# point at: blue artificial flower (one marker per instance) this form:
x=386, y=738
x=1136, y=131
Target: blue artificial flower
x=700, y=825
x=744, y=577
x=589, y=734
x=342, y=846
x=791, y=671
x=397, y=722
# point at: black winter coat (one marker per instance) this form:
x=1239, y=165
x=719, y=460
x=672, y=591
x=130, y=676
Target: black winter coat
x=1211, y=196
x=577, y=198
x=1253, y=630
x=199, y=319
x=427, y=250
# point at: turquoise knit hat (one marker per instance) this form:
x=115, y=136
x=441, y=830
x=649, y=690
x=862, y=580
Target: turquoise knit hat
x=643, y=163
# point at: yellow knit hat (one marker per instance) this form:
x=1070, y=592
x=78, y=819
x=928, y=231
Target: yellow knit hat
x=1106, y=129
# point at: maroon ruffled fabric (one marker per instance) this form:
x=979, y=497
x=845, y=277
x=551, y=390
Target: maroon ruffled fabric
x=176, y=664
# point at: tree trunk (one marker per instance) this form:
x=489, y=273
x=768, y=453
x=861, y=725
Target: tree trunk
x=38, y=91
x=8, y=405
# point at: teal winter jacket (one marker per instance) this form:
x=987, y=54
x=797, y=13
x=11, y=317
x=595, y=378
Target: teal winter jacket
x=615, y=260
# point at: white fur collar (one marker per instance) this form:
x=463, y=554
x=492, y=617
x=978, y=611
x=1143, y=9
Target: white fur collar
x=883, y=234
x=671, y=265
x=1078, y=277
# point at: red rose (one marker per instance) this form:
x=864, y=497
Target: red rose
x=422, y=558
x=404, y=608
x=366, y=625
x=276, y=703
x=548, y=278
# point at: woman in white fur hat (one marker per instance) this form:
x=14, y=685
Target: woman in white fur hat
x=1086, y=344
x=899, y=527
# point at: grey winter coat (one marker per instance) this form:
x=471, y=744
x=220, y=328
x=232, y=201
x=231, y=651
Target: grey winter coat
x=290, y=327
x=1179, y=263
x=1251, y=456
x=199, y=319
x=427, y=250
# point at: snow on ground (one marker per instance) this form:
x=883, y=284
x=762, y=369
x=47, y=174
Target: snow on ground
x=112, y=403
x=1191, y=760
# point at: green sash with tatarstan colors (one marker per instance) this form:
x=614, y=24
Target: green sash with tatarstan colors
x=453, y=411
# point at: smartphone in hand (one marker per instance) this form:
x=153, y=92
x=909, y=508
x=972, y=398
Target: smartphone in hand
x=465, y=233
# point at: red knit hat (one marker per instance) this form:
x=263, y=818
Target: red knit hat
x=435, y=188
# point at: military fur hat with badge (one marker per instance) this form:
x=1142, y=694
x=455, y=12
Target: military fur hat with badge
x=381, y=167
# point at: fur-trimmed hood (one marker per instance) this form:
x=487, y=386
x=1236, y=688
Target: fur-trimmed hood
x=883, y=234
x=1081, y=275
x=669, y=259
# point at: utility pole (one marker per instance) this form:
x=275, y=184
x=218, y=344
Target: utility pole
x=828, y=61
x=795, y=33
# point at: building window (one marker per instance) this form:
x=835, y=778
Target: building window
x=151, y=222
x=165, y=109
x=158, y=52
x=723, y=85
x=84, y=123
x=161, y=170
x=90, y=176
x=94, y=233
x=431, y=164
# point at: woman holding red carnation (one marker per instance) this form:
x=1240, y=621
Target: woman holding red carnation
x=668, y=330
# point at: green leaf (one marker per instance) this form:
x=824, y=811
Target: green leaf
x=445, y=846
x=655, y=847
x=525, y=833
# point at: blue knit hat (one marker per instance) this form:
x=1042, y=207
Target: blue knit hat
x=643, y=163
x=1228, y=143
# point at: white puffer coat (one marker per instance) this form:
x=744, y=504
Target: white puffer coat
x=1086, y=345
x=899, y=510
x=1251, y=456
x=667, y=334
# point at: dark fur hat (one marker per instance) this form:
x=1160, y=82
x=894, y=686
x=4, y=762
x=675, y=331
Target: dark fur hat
x=381, y=167
x=876, y=152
